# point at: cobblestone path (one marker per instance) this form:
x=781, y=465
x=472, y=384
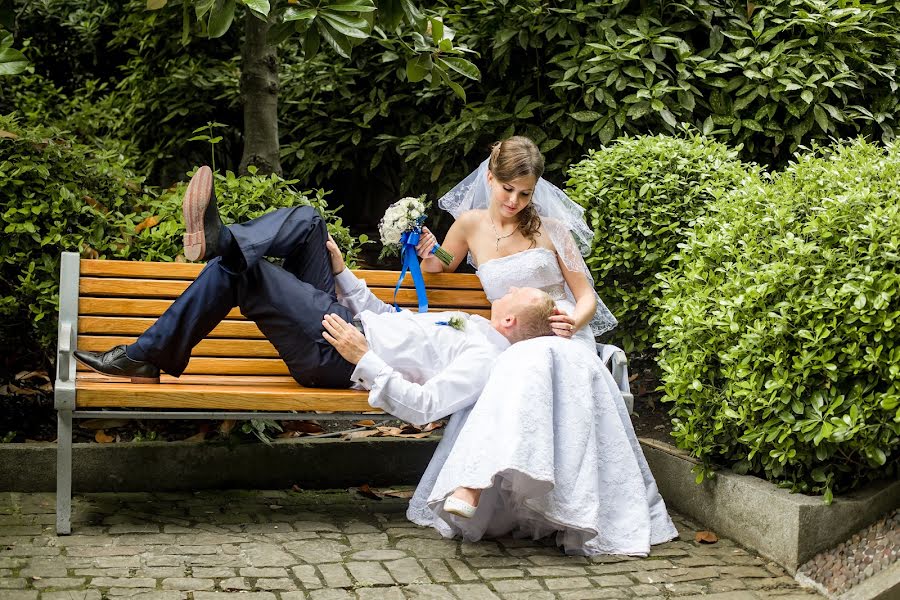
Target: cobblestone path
x=272, y=545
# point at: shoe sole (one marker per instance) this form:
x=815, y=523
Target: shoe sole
x=133, y=379
x=458, y=507
x=196, y=199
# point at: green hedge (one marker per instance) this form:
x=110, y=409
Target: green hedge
x=779, y=336
x=641, y=197
x=57, y=195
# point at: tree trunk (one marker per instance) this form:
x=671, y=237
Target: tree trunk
x=259, y=92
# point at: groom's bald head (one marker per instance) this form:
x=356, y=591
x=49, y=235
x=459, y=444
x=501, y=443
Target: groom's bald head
x=522, y=314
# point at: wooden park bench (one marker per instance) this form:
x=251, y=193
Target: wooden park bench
x=235, y=373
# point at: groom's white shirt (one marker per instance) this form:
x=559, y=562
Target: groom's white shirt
x=416, y=369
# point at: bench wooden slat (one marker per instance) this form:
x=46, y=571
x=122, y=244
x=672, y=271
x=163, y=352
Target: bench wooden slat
x=236, y=380
x=137, y=326
x=188, y=271
x=204, y=365
x=221, y=347
x=172, y=288
x=146, y=307
x=217, y=397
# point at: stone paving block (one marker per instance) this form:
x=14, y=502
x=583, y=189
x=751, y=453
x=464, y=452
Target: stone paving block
x=266, y=555
x=566, y=583
x=684, y=589
x=126, y=591
x=359, y=527
x=117, y=572
x=380, y=593
x=542, y=595
x=630, y=566
x=644, y=590
x=378, y=555
x=123, y=582
x=263, y=572
x=214, y=572
x=427, y=592
x=335, y=575
x=366, y=541
x=557, y=571
x=13, y=583
x=504, y=586
x=234, y=583
x=19, y=595
x=234, y=596
x=294, y=595
x=317, y=551
x=744, y=572
x=428, y=548
x=498, y=562
x=161, y=572
x=406, y=571
x=726, y=585
x=725, y=596
x=437, y=570
x=72, y=595
x=473, y=591
x=594, y=593
x=280, y=583
x=556, y=561
x=307, y=576
x=134, y=528
x=187, y=583
x=314, y=526
x=369, y=573
x=462, y=571
x=500, y=573
x=58, y=583
x=482, y=548
x=331, y=595
x=611, y=581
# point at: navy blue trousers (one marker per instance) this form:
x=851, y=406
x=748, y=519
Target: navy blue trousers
x=286, y=302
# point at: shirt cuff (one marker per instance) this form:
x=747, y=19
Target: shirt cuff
x=367, y=369
x=346, y=281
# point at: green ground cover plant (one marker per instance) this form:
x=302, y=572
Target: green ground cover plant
x=779, y=343
x=642, y=195
x=57, y=195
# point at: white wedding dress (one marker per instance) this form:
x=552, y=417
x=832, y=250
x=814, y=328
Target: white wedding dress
x=549, y=440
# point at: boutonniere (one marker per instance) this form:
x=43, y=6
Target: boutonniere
x=457, y=322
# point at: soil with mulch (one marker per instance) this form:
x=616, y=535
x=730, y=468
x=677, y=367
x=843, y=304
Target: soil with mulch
x=27, y=415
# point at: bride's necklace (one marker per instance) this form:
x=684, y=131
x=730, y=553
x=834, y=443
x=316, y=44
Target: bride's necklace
x=498, y=236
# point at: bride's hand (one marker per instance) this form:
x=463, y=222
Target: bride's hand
x=562, y=324
x=427, y=241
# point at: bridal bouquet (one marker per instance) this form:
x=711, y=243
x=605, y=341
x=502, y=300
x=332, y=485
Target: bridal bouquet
x=401, y=226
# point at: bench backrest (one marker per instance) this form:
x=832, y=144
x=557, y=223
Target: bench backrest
x=118, y=300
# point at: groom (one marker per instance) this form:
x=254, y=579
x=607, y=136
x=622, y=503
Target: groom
x=411, y=363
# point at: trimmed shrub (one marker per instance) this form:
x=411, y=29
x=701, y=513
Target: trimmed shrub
x=641, y=197
x=779, y=337
x=57, y=195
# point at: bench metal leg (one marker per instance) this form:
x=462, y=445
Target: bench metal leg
x=64, y=472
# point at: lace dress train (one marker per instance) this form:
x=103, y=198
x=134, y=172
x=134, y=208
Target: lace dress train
x=550, y=442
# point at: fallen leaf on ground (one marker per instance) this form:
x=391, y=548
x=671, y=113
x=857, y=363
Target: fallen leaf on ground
x=307, y=427
x=366, y=491
x=102, y=438
x=197, y=437
x=29, y=375
x=8, y=134
x=397, y=493
x=433, y=426
x=365, y=423
x=146, y=224
x=102, y=423
x=352, y=435
x=296, y=488
x=706, y=537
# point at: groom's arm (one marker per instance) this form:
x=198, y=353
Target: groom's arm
x=356, y=295
x=453, y=389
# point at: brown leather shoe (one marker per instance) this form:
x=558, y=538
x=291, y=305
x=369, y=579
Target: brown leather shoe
x=202, y=223
x=117, y=364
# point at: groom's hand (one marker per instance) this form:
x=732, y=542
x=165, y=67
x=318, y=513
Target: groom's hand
x=346, y=339
x=334, y=253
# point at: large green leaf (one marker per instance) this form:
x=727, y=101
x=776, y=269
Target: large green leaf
x=461, y=66
x=220, y=18
x=419, y=67
x=12, y=62
x=338, y=41
x=259, y=6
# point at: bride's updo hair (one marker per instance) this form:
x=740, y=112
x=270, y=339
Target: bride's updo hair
x=511, y=159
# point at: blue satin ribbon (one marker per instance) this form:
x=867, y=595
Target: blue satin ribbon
x=410, y=260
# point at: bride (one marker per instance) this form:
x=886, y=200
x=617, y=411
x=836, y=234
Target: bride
x=548, y=448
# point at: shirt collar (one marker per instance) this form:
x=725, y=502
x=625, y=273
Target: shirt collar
x=487, y=330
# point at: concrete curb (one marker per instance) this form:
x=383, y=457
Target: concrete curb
x=170, y=466
x=787, y=528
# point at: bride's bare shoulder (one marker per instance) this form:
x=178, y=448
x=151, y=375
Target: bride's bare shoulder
x=471, y=218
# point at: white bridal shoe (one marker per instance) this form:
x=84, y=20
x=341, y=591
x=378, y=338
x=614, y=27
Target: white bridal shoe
x=458, y=507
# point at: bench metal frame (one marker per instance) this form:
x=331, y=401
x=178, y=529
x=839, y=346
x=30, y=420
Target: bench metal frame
x=64, y=394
